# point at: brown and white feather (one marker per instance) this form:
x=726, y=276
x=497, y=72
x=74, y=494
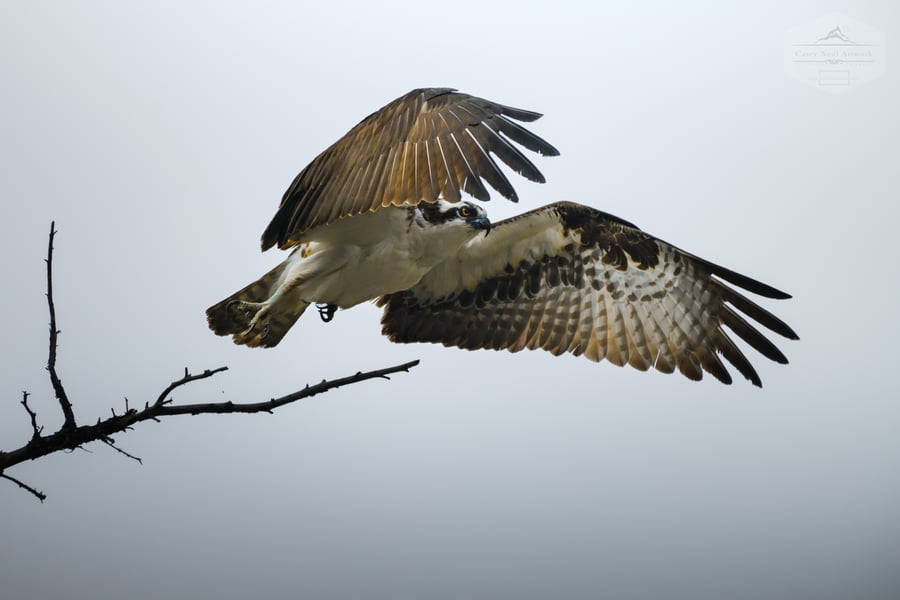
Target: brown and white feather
x=428, y=144
x=568, y=278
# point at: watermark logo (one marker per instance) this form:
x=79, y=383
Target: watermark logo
x=834, y=53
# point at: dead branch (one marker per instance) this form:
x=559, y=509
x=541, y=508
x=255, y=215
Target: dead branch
x=35, y=429
x=36, y=493
x=71, y=435
x=68, y=414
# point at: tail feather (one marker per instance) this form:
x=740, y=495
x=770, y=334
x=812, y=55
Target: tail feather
x=248, y=316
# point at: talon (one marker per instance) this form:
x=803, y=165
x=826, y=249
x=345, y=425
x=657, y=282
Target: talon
x=326, y=311
x=240, y=304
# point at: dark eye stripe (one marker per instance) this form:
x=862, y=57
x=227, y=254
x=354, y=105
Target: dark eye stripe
x=431, y=212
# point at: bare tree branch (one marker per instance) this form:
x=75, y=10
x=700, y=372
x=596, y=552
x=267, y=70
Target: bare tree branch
x=270, y=405
x=185, y=380
x=71, y=436
x=112, y=444
x=36, y=431
x=70, y=439
x=58, y=389
x=38, y=494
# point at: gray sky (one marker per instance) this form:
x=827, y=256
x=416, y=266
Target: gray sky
x=161, y=138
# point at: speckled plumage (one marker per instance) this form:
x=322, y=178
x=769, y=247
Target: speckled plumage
x=568, y=278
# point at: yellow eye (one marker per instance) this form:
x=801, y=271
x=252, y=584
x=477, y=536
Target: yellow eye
x=465, y=212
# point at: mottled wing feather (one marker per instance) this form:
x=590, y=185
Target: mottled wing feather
x=427, y=144
x=568, y=278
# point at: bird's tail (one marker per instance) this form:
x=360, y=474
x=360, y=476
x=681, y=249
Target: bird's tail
x=251, y=318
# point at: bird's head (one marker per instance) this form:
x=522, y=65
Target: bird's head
x=458, y=215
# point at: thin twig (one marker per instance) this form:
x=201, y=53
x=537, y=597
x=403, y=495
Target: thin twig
x=185, y=380
x=270, y=405
x=38, y=494
x=112, y=444
x=69, y=422
x=36, y=431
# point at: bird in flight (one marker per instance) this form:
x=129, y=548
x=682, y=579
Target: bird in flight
x=380, y=215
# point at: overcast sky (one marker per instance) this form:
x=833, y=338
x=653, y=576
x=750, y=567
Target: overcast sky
x=161, y=139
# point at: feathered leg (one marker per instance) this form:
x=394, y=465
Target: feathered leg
x=261, y=313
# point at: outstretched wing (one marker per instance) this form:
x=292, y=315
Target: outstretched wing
x=427, y=144
x=568, y=278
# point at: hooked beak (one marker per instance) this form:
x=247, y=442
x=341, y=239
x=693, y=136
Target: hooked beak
x=481, y=222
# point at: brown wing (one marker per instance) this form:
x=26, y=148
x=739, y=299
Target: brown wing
x=568, y=278
x=426, y=144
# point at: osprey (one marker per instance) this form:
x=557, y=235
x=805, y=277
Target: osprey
x=379, y=216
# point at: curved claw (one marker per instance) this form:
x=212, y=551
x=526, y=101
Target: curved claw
x=326, y=311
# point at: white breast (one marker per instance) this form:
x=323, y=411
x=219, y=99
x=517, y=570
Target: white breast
x=366, y=256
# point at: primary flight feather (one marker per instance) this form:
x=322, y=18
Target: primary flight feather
x=379, y=215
